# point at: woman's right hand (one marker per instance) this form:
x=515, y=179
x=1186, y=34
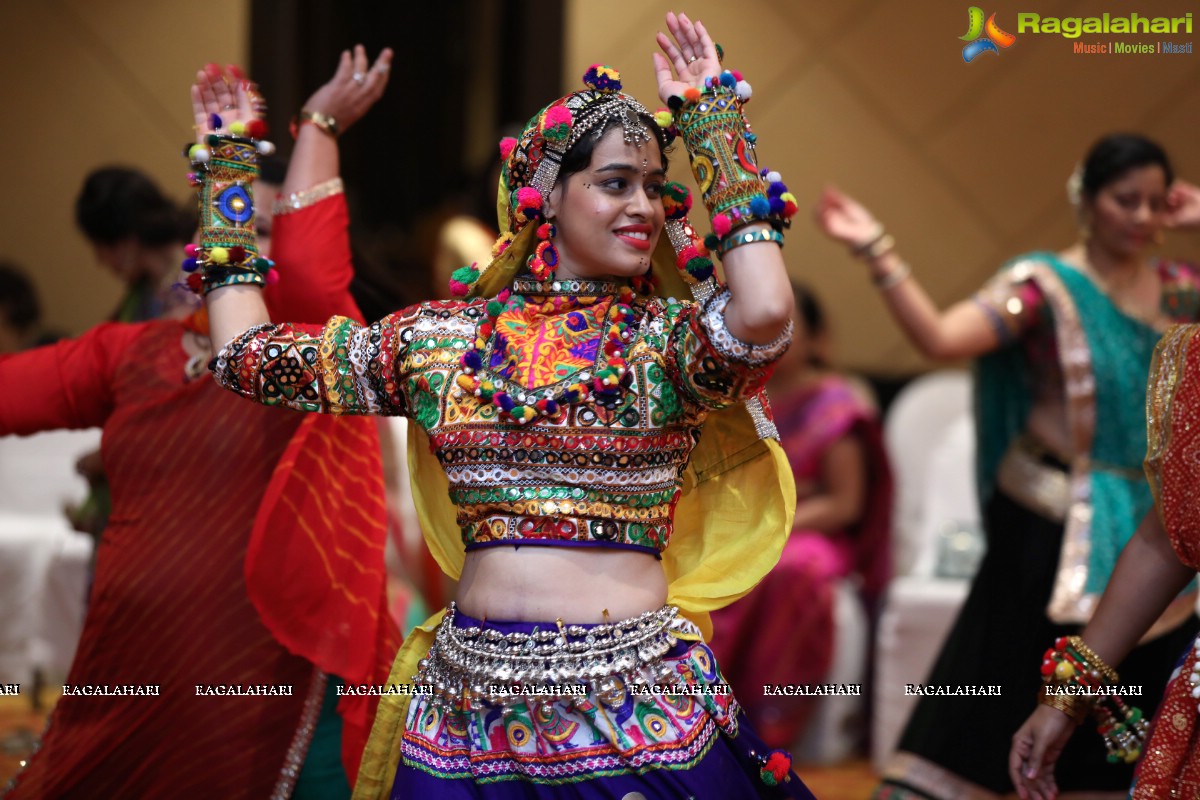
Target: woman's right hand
x=1036, y=746
x=354, y=87
x=844, y=219
x=225, y=93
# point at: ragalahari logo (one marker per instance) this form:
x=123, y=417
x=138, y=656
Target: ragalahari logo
x=983, y=38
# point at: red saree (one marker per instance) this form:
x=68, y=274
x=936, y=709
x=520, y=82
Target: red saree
x=245, y=548
x=1170, y=766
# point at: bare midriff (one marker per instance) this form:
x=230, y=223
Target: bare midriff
x=533, y=583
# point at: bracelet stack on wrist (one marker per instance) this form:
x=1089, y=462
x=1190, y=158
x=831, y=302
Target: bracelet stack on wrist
x=1076, y=681
x=224, y=168
x=721, y=148
x=877, y=246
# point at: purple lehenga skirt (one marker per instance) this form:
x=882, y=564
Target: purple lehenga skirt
x=659, y=725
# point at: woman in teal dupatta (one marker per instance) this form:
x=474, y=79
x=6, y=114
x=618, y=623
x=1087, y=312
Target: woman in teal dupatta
x=1062, y=344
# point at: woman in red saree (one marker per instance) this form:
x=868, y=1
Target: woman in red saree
x=224, y=615
x=783, y=631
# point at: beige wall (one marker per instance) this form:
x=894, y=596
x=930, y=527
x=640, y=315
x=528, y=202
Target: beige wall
x=965, y=163
x=87, y=84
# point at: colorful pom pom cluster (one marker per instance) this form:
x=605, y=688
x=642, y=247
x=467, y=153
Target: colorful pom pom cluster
x=775, y=768
x=545, y=256
x=777, y=206
x=253, y=130
x=666, y=120
x=602, y=78
x=605, y=385
x=217, y=266
x=527, y=202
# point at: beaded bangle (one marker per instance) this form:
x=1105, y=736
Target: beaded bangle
x=1071, y=668
x=224, y=169
x=750, y=237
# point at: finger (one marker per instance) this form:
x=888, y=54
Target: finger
x=344, y=68
x=245, y=103
x=675, y=26
x=662, y=68
x=207, y=95
x=377, y=75
x=692, y=39
x=708, y=48
x=360, y=63
x=672, y=52
x=197, y=101
x=223, y=94
x=236, y=71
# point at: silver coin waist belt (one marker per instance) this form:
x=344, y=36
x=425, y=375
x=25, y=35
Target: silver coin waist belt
x=472, y=668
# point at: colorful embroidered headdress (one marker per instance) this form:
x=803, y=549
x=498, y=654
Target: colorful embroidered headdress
x=529, y=170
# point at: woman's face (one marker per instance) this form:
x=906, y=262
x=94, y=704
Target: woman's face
x=610, y=215
x=1127, y=214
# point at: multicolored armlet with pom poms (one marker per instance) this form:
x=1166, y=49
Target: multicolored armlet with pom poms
x=1077, y=682
x=721, y=148
x=224, y=167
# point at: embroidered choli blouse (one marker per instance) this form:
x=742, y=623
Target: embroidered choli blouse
x=595, y=474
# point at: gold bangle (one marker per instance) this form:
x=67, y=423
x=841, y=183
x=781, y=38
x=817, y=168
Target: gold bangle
x=894, y=278
x=1094, y=661
x=1074, y=706
x=321, y=120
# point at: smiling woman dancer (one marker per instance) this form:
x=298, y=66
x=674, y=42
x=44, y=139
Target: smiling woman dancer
x=1063, y=342
x=565, y=412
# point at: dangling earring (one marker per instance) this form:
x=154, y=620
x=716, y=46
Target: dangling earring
x=545, y=258
x=644, y=283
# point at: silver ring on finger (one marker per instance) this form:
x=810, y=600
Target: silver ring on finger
x=359, y=78
x=693, y=58
x=228, y=107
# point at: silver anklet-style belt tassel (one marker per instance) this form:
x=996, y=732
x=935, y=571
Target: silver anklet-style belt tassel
x=477, y=667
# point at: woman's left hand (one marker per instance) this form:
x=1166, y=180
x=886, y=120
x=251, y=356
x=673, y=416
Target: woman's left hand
x=1183, y=205
x=690, y=57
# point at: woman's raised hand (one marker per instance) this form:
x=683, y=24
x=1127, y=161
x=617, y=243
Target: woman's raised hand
x=356, y=85
x=226, y=93
x=690, y=57
x=1183, y=205
x=844, y=219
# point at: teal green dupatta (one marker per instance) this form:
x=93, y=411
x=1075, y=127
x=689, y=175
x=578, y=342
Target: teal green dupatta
x=1105, y=357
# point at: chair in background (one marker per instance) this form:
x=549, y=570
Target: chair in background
x=44, y=563
x=929, y=433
